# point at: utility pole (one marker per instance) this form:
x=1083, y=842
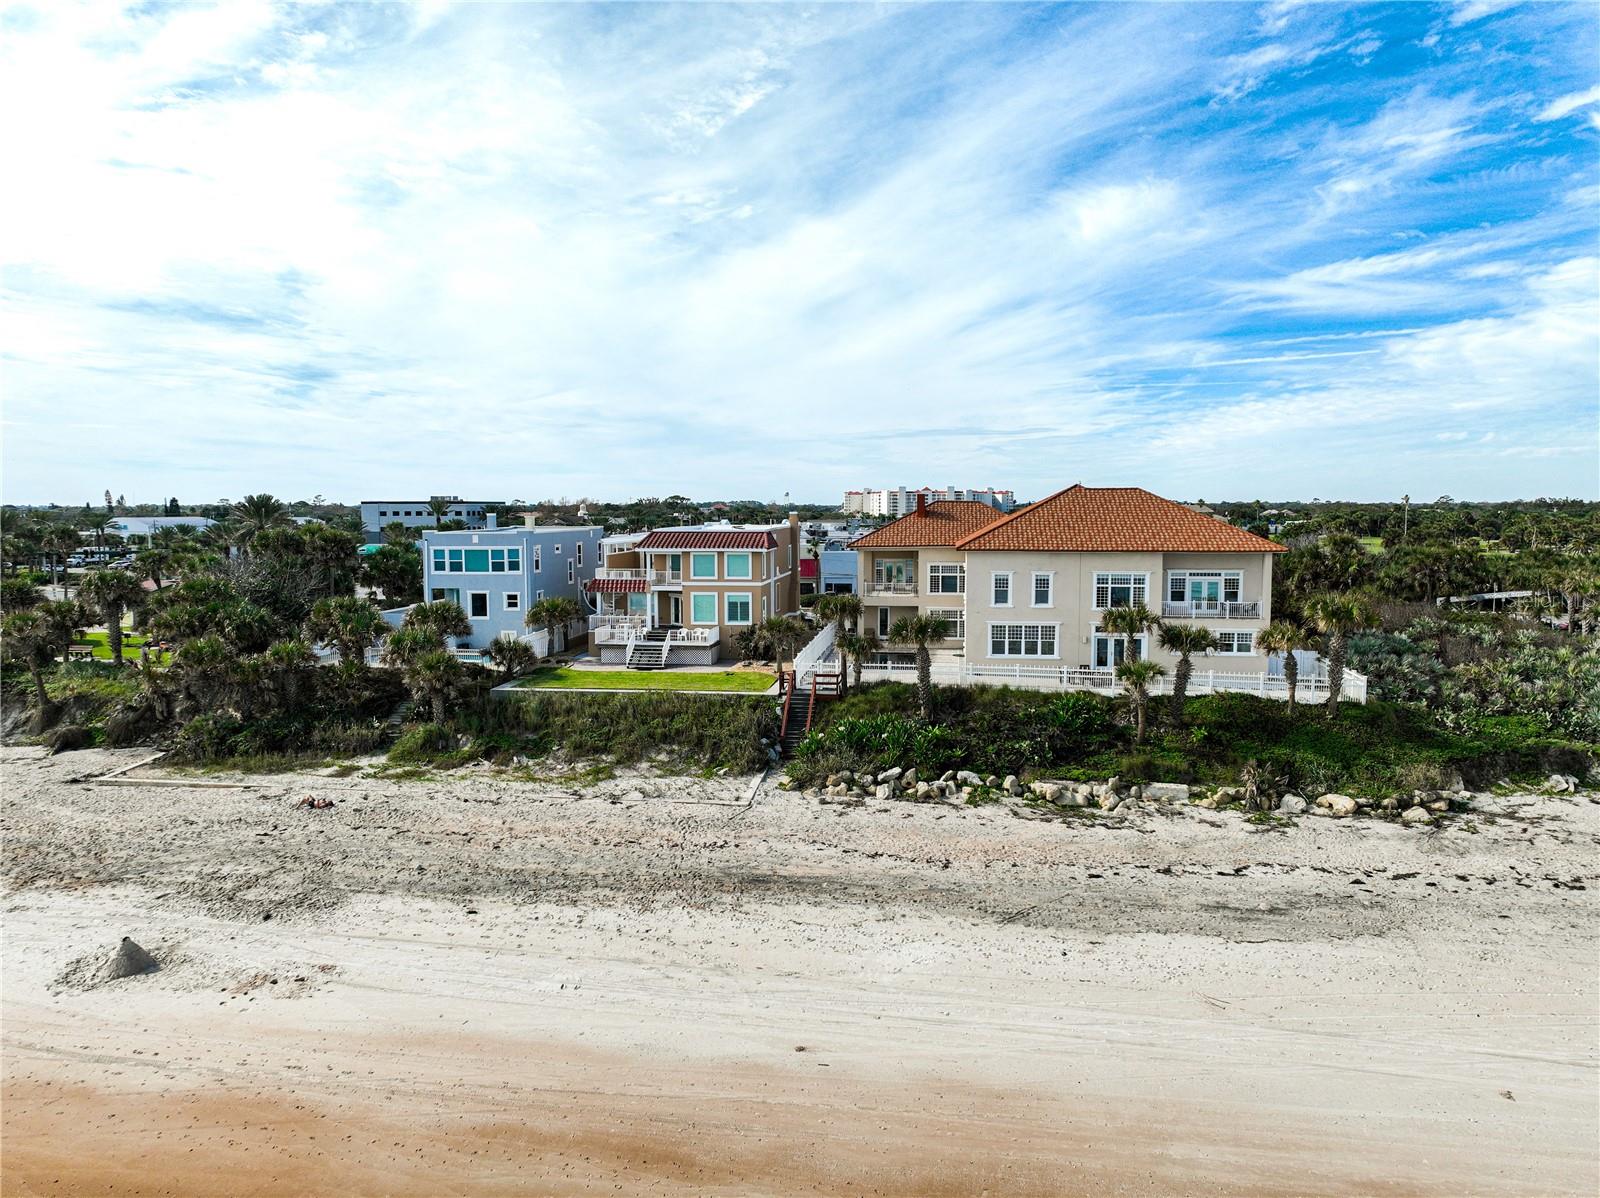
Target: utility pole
x=1405, y=518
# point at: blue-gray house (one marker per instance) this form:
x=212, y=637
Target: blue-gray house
x=497, y=574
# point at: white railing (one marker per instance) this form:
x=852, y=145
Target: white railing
x=1039, y=677
x=1214, y=609
x=619, y=572
x=666, y=578
x=818, y=654
x=891, y=588
x=693, y=636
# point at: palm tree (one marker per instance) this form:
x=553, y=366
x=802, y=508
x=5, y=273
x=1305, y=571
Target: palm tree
x=1130, y=622
x=844, y=609
x=350, y=624
x=62, y=542
x=920, y=631
x=29, y=639
x=206, y=668
x=438, y=509
x=1337, y=616
x=1284, y=636
x=286, y=668
x=112, y=593
x=855, y=648
x=514, y=657
x=255, y=514
x=443, y=618
x=555, y=612
x=432, y=677
x=396, y=533
x=1137, y=677
x=63, y=621
x=98, y=523
x=1185, y=640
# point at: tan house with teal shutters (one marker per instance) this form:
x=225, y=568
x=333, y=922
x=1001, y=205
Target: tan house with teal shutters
x=679, y=596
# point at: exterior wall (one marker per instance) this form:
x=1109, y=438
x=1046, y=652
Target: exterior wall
x=1072, y=607
x=881, y=609
x=838, y=570
x=414, y=513
x=546, y=554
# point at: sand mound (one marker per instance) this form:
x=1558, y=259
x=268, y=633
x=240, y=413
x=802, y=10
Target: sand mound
x=128, y=960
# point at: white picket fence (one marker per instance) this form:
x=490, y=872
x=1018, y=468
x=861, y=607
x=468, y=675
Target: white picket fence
x=818, y=654
x=1037, y=677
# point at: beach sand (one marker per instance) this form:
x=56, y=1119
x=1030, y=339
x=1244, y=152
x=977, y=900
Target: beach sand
x=648, y=985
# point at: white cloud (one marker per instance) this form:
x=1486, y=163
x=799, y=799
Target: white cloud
x=1567, y=104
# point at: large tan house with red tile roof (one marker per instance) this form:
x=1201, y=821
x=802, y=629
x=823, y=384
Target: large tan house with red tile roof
x=1030, y=588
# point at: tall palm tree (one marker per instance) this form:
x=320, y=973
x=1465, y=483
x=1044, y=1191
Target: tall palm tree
x=1138, y=676
x=255, y=514
x=63, y=621
x=62, y=542
x=27, y=638
x=112, y=593
x=438, y=509
x=396, y=533
x=854, y=649
x=441, y=618
x=1337, y=616
x=98, y=523
x=1130, y=622
x=1284, y=636
x=844, y=609
x=432, y=677
x=785, y=634
x=350, y=624
x=1185, y=640
x=920, y=631
x=207, y=668
x=555, y=612
x=513, y=657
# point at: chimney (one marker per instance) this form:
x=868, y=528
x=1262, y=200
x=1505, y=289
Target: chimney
x=530, y=519
x=493, y=520
x=922, y=502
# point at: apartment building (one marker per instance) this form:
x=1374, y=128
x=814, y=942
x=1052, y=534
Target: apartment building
x=497, y=574
x=900, y=501
x=678, y=596
x=1031, y=587
x=415, y=513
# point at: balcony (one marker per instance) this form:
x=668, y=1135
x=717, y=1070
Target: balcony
x=891, y=592
x=1212, y=609
x=672, y=580
x=615, y=572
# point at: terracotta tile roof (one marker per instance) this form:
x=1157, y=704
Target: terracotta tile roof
x=1114, y=519
x=944, y=522
x=616, y=586
x=708, y=540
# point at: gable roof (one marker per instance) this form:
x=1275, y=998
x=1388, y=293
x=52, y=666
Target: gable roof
x=1084, y=519
x=944, y=522
x=708, y=540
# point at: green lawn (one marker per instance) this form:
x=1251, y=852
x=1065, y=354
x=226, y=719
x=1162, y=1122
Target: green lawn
x=101, y=648
x=1372, y=544
x=562, y=678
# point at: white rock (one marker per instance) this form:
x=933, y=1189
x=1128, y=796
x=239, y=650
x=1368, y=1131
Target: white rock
x=883, y=790
x=1012, y=786
x=1292, y=804
x=890, y=775
x=1337, y=805
x=1416, y=815
x=1165, y=791
x=968, y=778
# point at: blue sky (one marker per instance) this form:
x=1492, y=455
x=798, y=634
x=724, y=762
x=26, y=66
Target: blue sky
x=1223, y=251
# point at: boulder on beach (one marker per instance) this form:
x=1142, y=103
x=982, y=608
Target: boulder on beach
x=128, y=960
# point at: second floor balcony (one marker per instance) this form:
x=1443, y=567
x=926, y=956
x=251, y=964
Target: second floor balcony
x=1212, y=609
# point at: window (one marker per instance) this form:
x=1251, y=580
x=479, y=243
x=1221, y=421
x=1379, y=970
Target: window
x=883, y=622
x=702, y=565
x=450, y=593
x=537, y=596
x=736, y=565
x=579, y=551
x=477, y=561
x=1043, y=584
x=703, y=608
x=1235, y=643
x=438, y=561
x=1022, y=640
x=763, y=607
x=537, y=566
x=1119, y=590
x=572, y=572
x=947, y=580
x=1002, y=589
x=513, y=601
x=478, y=605
x=954, y=619
x=556, y=548
x=738, y=609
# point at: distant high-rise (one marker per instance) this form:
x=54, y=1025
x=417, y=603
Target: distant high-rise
x=897, y=501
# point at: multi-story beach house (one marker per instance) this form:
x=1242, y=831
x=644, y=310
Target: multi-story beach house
x=497, y=574
x=678, y=596
x=1032, y=587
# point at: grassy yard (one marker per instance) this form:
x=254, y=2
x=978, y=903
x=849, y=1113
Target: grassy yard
x=563, y=678
x=1372, y=544
x=100, y=648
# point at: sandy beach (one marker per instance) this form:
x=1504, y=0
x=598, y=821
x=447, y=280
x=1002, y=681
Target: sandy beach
x=654, y=985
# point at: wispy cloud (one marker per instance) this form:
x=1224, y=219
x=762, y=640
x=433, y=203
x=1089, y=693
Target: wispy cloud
x=742, y=250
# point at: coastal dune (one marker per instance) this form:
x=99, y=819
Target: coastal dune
x=479, y=984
